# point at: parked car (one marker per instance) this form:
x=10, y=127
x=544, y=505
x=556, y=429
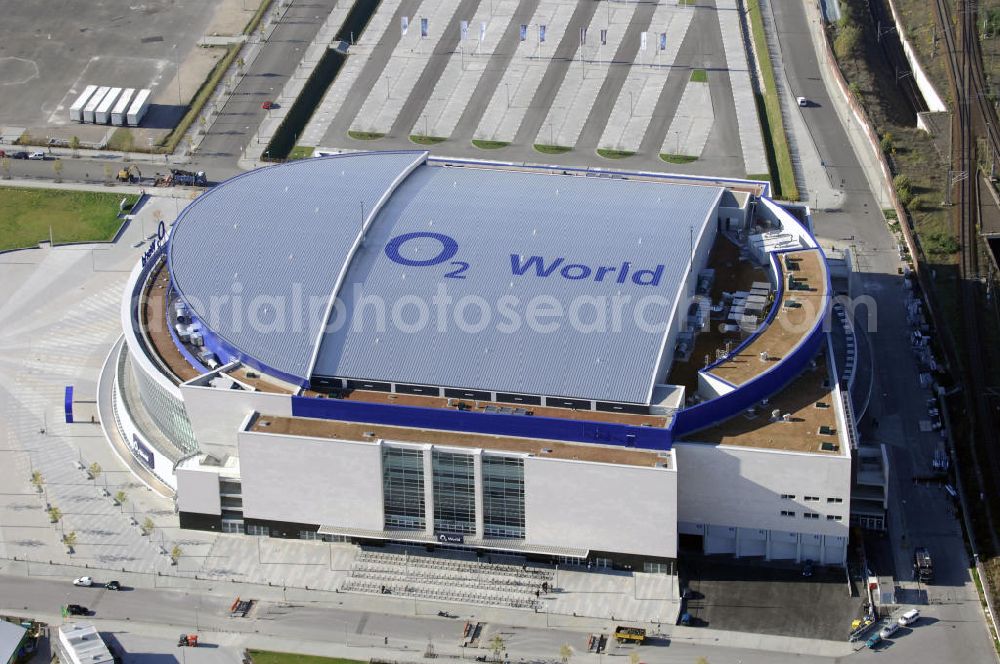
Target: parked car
x=20, y=155
x=113, y=585
x=268, y=105
x=37, y=155
x=873, y=641
x=910, y=617
x=890, y=629
x=84, y=581
x=76, y=610
x=803, y=102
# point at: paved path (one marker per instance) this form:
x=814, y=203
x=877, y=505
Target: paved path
x=511, y=99
x=465, y=67
x=406, y=66
x=692, y=123
x=637, y=96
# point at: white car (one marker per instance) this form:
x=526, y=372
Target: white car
x=37, y=155
x=84, y=581
x=910, y=617
x=802, y=101
x=889, y=630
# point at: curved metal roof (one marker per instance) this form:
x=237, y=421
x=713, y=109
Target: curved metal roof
x=446, y=247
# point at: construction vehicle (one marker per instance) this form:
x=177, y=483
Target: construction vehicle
x=635, y=634
x=190, y=640
x=130, y=173
x=178, y=177
x=923, y=565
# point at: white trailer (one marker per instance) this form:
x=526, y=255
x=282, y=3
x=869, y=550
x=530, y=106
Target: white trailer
x=103, y=113
x=120, y=111
x=138, y=108
x=76, y=110
x=91, y=108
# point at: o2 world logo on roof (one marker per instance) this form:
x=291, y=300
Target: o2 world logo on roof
x=538, y=266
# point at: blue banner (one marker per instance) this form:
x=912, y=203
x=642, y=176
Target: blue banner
x=524, y=31
x=69, y=404
x=463, y=30
x=604, y=37
x=424, y=26
x=541, y=34
x=143, y=453
x=663, y=41
x=404, y=25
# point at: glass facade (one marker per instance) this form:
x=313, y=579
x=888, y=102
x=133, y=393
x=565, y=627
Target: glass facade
x=454, y=492
x=403, y=488
x=503, y=496
x=166, y=412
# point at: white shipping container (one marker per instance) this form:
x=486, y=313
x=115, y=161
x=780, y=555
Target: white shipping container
x=120, y=111
x=76, y=110
x=139, y=107
x=95, y=101
x=103, y=113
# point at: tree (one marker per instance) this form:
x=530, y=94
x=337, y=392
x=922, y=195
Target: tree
x=847, y=42
x=239, y=64
x=55, y=514
x=74, y=145
x=565, y=653
x=69, y=539
x=175, y=554
x=120, y=498
x=57, y=168
x=148, y=526
x=37, y=480
x=904, y=189
x=94, y=470
x=497, y=646
x=887, y=143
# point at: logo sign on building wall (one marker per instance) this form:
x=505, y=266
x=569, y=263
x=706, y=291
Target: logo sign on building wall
x=451, y=538
x=143, y=453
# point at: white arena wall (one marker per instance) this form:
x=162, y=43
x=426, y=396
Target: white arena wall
x=732, y=496
x=216, y=414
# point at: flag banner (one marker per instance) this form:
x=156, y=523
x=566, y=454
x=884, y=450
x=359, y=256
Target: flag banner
x=604, y=37
x=482, y=31
x=642, y=41
x=424, y=27
x=541, y=33
x=463, y=30
x=404, y=25
x=663, y=41
x=583, y=36
x=524, y=31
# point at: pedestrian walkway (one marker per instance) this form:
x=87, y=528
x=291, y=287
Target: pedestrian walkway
x=692, y=122
x=585, y=75
x=516, y=91
x=464, y=70
x=633, y=110
x=751, y=138
x=405, y=65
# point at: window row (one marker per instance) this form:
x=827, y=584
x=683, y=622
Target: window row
x=810, y=499
x=812, y=515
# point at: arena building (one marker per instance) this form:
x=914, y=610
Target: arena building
x=563, y=364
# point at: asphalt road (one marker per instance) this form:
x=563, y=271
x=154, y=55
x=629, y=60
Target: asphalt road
x=919, y=515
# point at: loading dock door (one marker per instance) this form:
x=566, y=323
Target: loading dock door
x=720, y=539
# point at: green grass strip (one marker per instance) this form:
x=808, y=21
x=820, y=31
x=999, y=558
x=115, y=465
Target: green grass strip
x=420, y=139
x=201, y=97
x=365, y=135
x=677, y=158
x=258, y=15
x=614, y=154
x=271, y=657
x=489, y=145
x=699, y=76
x=551, y=149
x=784, y=182
x=301, y=152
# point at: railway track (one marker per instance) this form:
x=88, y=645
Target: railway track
x=973, y=115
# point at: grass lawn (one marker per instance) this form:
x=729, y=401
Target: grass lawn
x=677, y=158
x=301, y=152
x=551, y=149
x=699, y=76
x=614, y=154
x=271, y=657
x=74, y=216
x=489, y=145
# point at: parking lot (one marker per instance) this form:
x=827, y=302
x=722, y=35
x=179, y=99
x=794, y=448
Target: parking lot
x=753, y=596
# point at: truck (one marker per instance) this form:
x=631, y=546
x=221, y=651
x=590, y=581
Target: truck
x=138, y=108
x=102, y=114
x=95, y=101
x=182, y=178
x=120, y=111
x=923, y=565
x=76, y=110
